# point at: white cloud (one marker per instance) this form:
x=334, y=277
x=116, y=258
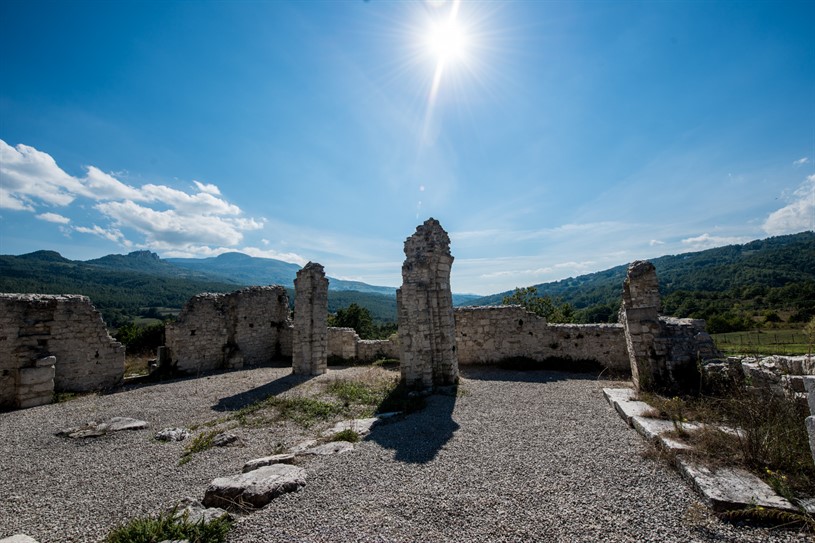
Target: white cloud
x=112, y=234
x=798, y=215
x=53, y=217
x=655, y=242
x=266, y=253
x=166, y=217
x=706, y=241
x=29, y=175
x=801, y=161
x=209, y=189
x=9, y=201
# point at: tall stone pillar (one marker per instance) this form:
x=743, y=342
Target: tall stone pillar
x=427, y=327
x=310, y=345
x=640, y=316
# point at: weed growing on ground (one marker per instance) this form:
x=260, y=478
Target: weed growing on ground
x=165, y=527
x=200, y=443
x=348, y=435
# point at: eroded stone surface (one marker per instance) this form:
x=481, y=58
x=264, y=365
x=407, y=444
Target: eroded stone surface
x=310, y=343
x=360, y=426
x=96, y=429
x=335, y=447
x=19, y=538
x=427, y=327
x=730, y=488
x=225, y=439
x=195, y=512
x=254, y=489
x=53, y=343
x=256, y=463
x=172, y=434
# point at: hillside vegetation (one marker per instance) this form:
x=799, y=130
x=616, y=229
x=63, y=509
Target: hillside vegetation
x=773, y=279
x=733, y=287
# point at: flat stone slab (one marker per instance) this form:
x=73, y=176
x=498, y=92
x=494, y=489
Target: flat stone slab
x=730, y=488
x=360, y=426
x=652, y=429
x=300, y=447
x=254, y=489
x=252, y=465
x=620, y=399
x=335, y=447
x=96, y=429
x=19, y=538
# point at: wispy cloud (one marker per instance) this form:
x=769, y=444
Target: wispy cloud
x=801, y=161
x=706, y=241
x=655, y=242
x=53, y=217
x=197, y=221
x=798, y=215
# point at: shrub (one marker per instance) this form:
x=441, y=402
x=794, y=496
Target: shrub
x=166, y=527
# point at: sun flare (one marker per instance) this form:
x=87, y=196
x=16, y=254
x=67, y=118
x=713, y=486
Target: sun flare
x=447, y=40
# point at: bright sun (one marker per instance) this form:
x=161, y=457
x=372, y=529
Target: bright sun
x=447, y=40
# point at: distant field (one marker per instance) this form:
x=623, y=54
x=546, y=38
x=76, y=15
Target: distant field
x=764, y=342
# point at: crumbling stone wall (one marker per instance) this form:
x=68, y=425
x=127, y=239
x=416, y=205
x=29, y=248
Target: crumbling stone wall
x=310, y=343
x=664, y=352
x=427, y=328
x=227, y=331
x=489, y=334
x=345, y=343
x=36, y=327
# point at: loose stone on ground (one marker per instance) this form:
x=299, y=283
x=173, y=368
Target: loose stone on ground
x=255, y=488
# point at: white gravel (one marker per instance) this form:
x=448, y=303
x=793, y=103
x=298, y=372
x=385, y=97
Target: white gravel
x=518, y=456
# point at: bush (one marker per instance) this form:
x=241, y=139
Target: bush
x=141, y=339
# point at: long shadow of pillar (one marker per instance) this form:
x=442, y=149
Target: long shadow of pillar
x=273, y=388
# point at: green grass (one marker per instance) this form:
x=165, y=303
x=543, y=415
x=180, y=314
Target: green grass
x=200, y=443
x=346, y=435
x=765, y=342
x=166, y=527
x=368, y=392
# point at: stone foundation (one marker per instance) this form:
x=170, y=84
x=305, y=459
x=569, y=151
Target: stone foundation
x=228, y=331
x=487, y=335
x=54, y=343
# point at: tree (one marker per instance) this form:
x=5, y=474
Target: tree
x=543, y=306
x=355, y=317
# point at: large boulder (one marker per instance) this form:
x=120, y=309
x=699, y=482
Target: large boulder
x=256, y=488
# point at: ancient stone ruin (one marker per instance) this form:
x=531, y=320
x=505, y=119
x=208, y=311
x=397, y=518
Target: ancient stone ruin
x=310, y=345
x=665, y=352
x=226, y=331
x=427, y=327
x=52, y=343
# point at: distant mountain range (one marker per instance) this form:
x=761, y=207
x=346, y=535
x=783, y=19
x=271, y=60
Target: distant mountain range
x=772, y=274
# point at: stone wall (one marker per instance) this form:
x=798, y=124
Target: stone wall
x=489, y=334
x=227, y=331
x=665, y=352
x=34, y=327
x=427, y=329
x=310, y=343
x=345, y=343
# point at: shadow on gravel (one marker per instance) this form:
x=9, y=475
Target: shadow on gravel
x=531, y=371
x=273, y=388
x=418, y=437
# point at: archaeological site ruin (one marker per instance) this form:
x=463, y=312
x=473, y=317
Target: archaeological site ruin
x=59, y=343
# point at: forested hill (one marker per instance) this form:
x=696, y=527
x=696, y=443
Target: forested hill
x=772, y=275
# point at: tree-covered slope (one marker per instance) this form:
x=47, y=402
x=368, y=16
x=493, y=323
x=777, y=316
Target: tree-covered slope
x=773, y=274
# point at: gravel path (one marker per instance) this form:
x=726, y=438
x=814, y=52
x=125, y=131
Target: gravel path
x=517, y=456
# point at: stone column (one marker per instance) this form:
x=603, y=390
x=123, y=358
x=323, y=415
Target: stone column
x=310, y=345
x=427, y=328
x=640, y=316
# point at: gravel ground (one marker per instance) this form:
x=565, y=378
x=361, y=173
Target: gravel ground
x=517, y=456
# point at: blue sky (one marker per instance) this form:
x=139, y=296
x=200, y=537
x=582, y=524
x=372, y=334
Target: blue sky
x=559, y=138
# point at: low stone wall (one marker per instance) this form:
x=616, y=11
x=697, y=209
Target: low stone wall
x=345, y=343
x=228, y=331
x=488, y=334
x=34, y=327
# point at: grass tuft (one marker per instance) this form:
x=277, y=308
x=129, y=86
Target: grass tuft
x=166, y=527
x=348, y=435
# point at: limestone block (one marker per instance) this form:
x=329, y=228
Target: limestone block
x=35, y=376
